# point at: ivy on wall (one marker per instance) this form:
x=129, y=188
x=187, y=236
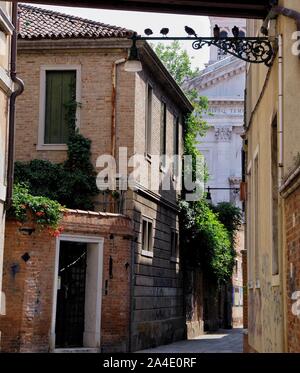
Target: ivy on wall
x=71, y=183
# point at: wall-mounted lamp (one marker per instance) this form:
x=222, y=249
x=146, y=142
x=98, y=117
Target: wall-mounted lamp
x=133, y=63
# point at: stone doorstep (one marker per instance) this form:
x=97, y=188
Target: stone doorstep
x=79, y=350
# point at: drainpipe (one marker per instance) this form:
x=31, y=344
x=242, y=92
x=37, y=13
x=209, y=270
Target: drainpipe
x=12, y=104
x=280, y=10
x=280, y=112
x=113, y=102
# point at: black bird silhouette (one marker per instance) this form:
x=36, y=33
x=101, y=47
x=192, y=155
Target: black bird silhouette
x=164, y=31
x=235, y=31
x=148, y=31
x=216, y=31
x=190, y=31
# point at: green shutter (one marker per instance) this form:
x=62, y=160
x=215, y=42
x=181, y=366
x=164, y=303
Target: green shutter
x=60, y=91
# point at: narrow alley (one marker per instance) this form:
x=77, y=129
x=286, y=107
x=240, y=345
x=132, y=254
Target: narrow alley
x=222, y=341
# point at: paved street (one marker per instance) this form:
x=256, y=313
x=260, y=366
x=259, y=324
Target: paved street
x=224, y=341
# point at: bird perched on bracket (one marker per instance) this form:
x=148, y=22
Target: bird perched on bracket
x=164, y=31
x=190, y=31
x=235, y=31
x=216, y=31
x=148, y=31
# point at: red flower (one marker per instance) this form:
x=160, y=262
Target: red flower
x=40, y=213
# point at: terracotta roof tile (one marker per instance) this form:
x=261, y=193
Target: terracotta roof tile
x=37, y=23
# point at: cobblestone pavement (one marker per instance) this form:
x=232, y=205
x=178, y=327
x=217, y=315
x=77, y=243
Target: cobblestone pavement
x=224, y=341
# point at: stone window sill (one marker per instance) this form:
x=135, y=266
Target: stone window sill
x=52, y=147
x=148, y=254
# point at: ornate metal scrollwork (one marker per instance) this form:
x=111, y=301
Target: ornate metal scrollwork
x=249, y=49
x=253, y=50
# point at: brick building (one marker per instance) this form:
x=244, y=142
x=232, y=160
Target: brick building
x=290, y=191
x=141, y=111
x=34, y=315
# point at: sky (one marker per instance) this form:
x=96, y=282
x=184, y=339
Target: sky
x=138, y=21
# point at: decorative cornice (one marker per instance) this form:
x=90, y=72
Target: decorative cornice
x=222, y=72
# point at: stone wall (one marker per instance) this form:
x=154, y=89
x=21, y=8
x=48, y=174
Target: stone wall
x=28, y=286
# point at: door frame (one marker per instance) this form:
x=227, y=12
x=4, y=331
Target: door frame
x=94, y=275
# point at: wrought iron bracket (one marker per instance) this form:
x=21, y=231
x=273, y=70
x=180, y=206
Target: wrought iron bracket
x=249, y=49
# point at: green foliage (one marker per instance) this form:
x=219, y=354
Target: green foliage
x=207, y=241
x=176, y=60
x=231, y=217
x=42, y=210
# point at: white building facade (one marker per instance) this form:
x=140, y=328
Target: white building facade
x=223, y=83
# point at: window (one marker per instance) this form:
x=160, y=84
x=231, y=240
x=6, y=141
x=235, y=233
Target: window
x=163, y=131
x=274, y=174
x=147, y=236
x=174, y=246
x=175, y=145
x=60, y=91
x=59, y=88
x=149, y=97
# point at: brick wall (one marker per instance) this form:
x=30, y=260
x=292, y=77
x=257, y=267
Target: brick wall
x=95, y=109
x=292, y=234
x=28, y=286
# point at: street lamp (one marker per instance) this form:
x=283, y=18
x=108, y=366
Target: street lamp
x=133, y=63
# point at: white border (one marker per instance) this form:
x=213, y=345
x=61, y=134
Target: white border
x=41, y=129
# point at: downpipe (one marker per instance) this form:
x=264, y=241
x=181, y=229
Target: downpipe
x=280, y=111
x=12, y=108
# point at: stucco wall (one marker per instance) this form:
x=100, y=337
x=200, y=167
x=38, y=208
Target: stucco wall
x=267, y=304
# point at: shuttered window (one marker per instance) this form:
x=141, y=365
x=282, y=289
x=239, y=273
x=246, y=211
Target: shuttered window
x=60, y=91
x=148, y=113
